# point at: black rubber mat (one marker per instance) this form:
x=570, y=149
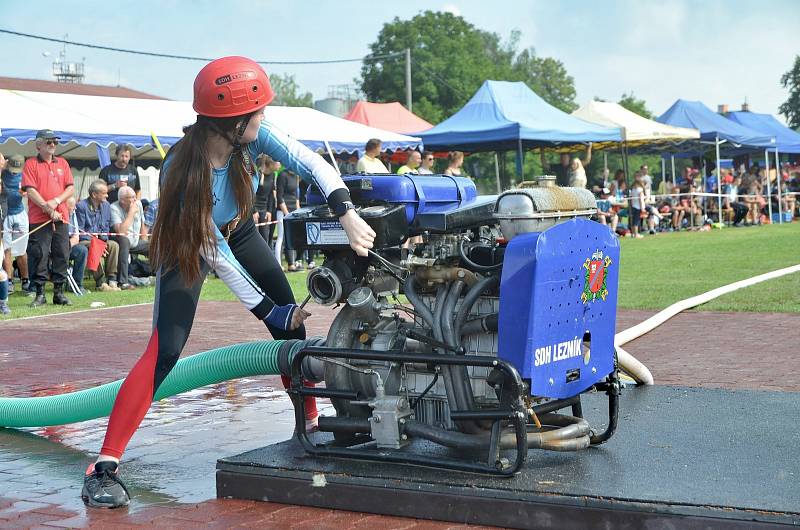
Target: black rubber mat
x=682, y=457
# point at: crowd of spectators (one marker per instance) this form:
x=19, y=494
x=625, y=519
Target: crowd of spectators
x=692, y=202
x=48, y=234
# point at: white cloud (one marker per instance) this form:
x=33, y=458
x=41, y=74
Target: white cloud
x=452, y=8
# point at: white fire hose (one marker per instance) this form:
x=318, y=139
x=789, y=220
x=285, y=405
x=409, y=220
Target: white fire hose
x=638, y=371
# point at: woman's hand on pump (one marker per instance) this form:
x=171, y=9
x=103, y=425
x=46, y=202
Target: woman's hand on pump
x=359, y=233
x=287, y=317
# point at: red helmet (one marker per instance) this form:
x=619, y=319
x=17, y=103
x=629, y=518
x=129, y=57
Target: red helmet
x=231, y=86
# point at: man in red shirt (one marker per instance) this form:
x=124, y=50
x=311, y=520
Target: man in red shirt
x=48, y=180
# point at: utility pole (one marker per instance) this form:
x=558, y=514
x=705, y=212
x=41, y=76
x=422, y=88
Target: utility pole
x=408, y=79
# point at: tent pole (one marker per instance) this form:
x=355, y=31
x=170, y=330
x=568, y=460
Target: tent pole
x=624, y=163
x=333, y=158
x=778, y=179
x=664, y=173
x=719, y=184
x=520, y=160
x=704, y=199
x=497, y=173
x=673, y=170
x=769, y=186
x=408, y=79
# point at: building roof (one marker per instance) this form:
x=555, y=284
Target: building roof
x=40, y=85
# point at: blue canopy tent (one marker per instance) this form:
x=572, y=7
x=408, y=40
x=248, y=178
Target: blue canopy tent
x=717, y=129
x=504, y=116
x=786, y=141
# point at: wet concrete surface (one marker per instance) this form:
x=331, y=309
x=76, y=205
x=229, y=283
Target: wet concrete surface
x=170, y=462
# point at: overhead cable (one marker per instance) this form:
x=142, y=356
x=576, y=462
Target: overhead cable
x=368, y=58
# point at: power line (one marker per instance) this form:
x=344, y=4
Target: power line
x=187, y=57
x=440, y=79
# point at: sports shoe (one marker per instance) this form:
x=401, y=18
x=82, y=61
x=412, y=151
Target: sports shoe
x=127, y=287
x=106, y=288
x=4, y=309
x=102, y=487
x=39, y=300
x=10, y=286
x=312, y=425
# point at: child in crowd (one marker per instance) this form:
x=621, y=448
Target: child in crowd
x=637, y=204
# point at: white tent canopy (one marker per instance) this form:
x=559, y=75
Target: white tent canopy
x=83, y=122
x=635, y=128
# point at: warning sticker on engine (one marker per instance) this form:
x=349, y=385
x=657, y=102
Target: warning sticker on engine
x=326, y=233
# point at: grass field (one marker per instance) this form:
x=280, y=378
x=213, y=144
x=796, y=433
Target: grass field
x=655, y=272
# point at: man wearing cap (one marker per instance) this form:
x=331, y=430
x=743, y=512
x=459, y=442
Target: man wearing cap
x=15, y=225
x=48, y=180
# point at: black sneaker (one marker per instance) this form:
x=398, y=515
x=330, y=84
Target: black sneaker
x=39, y=300
x=102, y=488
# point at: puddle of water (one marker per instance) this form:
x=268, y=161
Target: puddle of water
x=171, y=458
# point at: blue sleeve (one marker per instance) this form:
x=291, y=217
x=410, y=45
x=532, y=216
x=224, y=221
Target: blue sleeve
x=80, y=215
x=301, y=160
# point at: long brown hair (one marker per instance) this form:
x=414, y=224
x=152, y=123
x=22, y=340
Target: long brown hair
x=183, y=224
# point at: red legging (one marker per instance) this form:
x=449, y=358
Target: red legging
x=173, y=314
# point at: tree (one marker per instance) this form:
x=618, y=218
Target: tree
x=451, y=58
x=791, y=107
x=635, y=105
x=287, y=92
x=547, y=77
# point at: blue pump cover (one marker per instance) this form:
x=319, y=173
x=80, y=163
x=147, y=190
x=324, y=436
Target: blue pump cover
x=419, y=193
x=556, y=287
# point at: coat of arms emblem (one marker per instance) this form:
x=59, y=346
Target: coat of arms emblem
x=595, y=285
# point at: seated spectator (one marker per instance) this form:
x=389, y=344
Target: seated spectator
x=370, y=163
x=127, y=217
x=94, y=217
x=754, y=201
x=411, y=165
x=426, y=166
x=455, y=159
x=671, y=205
x=731, y=201
x=688, y=202
x=77, y=252
x=605, y=213
x=150, y=215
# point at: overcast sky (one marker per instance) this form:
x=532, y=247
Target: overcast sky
x=715, y=51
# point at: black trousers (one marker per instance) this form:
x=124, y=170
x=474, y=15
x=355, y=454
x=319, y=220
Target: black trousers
x=266, y=231
x=739, y=212
x=49, y=243
x=125, y=250
x=173, y=315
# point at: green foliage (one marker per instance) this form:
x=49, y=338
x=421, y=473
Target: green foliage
x=287, y=92
x=791, y=107
x=547, y=77
x=451, y=58
x=635, y=105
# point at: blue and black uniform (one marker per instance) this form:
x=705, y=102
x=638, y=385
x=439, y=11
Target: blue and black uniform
x=244, y=262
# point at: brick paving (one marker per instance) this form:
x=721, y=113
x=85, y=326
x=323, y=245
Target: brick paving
x=170, y=462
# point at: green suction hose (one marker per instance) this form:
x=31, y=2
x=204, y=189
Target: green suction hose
x=207, y=368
